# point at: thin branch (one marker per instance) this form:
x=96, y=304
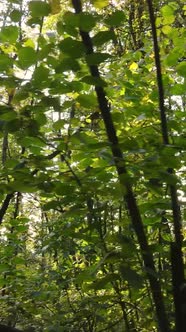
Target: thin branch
x=159, y=74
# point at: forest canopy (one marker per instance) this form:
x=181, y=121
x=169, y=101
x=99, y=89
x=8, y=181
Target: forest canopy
x=92, y=170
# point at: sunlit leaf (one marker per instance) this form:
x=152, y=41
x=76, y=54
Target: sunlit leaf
x=39, y=8
x=27, y=56
x=9, y=34
x=100, y=3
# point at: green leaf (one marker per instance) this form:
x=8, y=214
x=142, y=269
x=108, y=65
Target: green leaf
x=89, y=100
x=69, y=29
x=97, y=58
x=100, y=3
x=59, y=124
x=167, y=11
x=22, y=187
x=27, y=56
x=41, y=77
x=172, y=58
x=74, y=48
x=7, y=114
x=169, y=20
x=167, y=29
x=71, y=19
x=21, y=94
x=19, y=260
x=15, y=15
x=9, y=34
x=63, y=188
x=5, y=62
x=50, y=205
x=128, y=274
x=103, y=37
x=39, y=8
x=116, y=18
x=87, y=275
x=181, y=69
x=67, y=64
x=4, y=268
x=105, y=282
x=169, y=178
x=32, y=141
x=94, y=81
x=178, y=89
x=86, y=21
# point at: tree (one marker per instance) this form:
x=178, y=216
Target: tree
x=92, y=172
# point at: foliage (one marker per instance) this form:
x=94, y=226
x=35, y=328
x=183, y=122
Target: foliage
x=92, y=165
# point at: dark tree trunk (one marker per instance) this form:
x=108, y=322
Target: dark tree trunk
x=4, y=328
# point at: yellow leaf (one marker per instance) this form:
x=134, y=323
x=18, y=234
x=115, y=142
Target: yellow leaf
x=55, y=6
x=100, y=3
x=29, y=43
x=166, y=29
x=133, y=66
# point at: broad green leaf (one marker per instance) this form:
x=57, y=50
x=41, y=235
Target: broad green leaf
x=5, y=62
x=41, y=77
x=87, y=100
x=71, y=19
x=39, y=8
x=59, y=124
x=87, y=275
x=74, y=48
x=103, y=37
x=27, y=56
x=94, y=81
x=97, y=58
x=181, y=69
x=21, y=94
x=11, y=163
x=86, y=21
x=22, y=187
x=172, y=58
x=67, y=64
x=116, y=18
x=130, y=275
x=7, y=114
x=19, y=260
x=9, y=34
x=71, y=30
x=169, y=178
x=166, y=29
x=35, y=141
x=167, y=11
x=169, y=20
x=100, y=3
x=15, y=15
x=4, y=267
x=63, y=188
x=104, y=282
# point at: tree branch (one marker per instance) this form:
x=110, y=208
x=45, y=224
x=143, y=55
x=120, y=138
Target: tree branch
x=5, y=206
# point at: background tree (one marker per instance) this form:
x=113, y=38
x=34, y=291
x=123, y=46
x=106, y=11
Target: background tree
x=92, y=166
